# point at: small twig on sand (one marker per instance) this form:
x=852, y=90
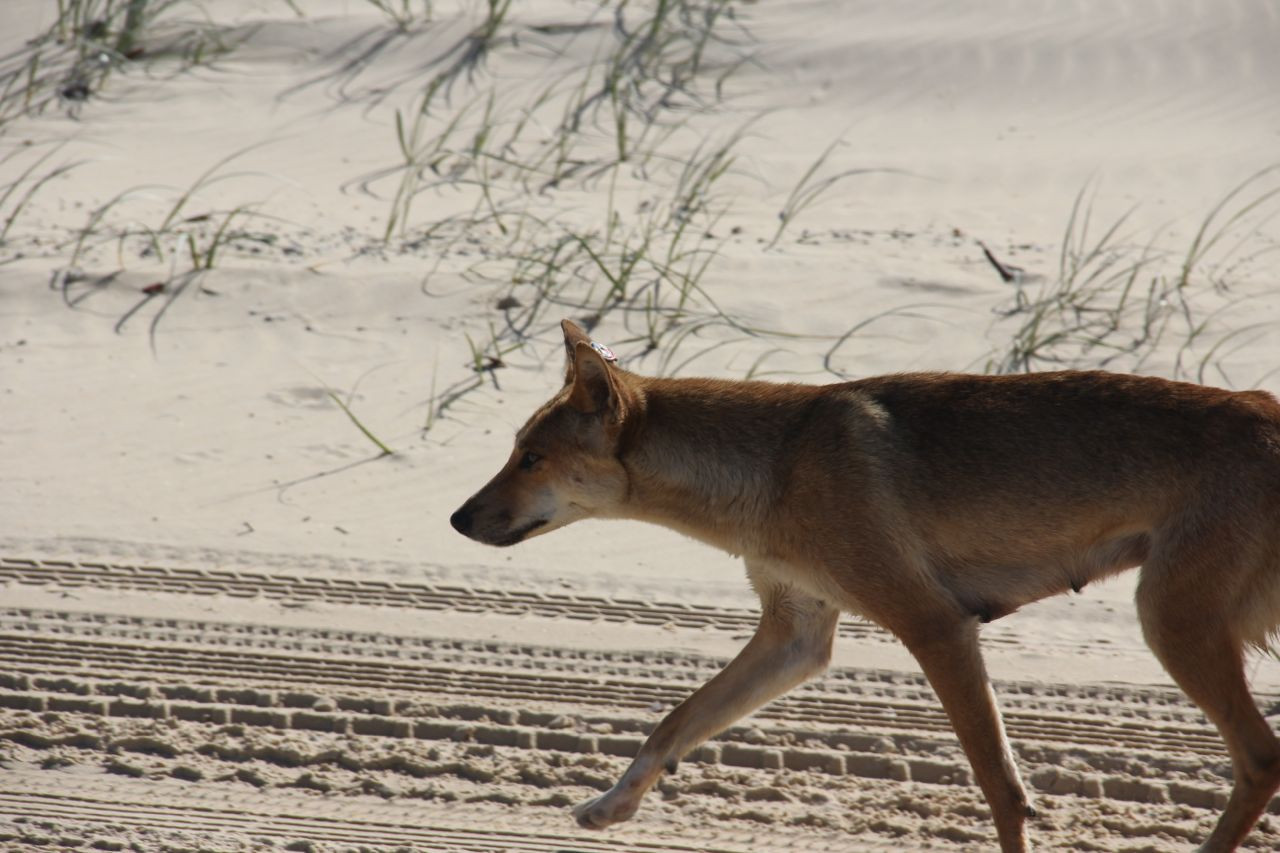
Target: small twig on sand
x=1007, y=273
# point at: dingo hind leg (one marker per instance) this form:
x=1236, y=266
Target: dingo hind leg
x=791, y=644
x=1192, y=598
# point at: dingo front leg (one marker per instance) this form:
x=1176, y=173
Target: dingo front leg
x=791, y=643
x=946, y=645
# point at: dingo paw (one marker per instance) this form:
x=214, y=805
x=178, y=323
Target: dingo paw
x=604, y=811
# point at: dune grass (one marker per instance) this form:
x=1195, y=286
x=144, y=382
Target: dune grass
x=811, y=186
x=610, y=125
x=1116, y=303
x=402, y=13
x=622, y=120
x=599, y=194
x=189, y=243
x=69, y=62
x=171, y=228
x=521, y=158
x=18, y=193
x=383, y=449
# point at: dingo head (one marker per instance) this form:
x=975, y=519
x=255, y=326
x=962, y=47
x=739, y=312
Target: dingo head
x=565, y=463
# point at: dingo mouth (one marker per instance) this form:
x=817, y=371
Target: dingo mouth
x=518, y=534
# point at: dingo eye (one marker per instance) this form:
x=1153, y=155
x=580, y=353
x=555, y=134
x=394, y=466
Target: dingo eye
x=528, y=460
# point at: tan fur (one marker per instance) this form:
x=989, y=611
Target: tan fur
x=928, y=503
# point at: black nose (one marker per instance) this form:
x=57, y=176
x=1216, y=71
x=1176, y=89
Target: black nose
x=461, y=520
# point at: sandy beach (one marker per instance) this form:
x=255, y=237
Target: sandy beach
x=279, y=280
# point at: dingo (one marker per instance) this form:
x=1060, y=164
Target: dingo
x=928, y=503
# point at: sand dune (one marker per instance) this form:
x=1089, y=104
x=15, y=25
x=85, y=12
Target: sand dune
x=228, y=621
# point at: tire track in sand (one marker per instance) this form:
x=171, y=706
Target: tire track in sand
x=154, y=697
x=300, y=589
x=855, y=723
x=81, y=813
x=586, y=683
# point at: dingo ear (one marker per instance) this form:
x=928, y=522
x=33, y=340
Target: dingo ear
x=573, y=334
x=594, y=387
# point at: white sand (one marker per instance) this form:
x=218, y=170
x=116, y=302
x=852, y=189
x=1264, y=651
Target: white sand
x=210, y=442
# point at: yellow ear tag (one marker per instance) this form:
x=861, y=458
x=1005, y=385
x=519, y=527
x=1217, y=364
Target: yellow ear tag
x=605, y=352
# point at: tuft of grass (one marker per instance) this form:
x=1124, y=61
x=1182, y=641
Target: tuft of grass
x=70, y=61
x=1223, y=219
x=346, y=409
x=204, y=236
x=433, y=413
x=204, y=257
x=810, y=188
x=1097, y=291
x=174, y=223
x=522, y=166
x=1116, y=302
x=402, y=13
x=135, y=16
x=635, y=90
x=24, y=187
x=610, y=120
